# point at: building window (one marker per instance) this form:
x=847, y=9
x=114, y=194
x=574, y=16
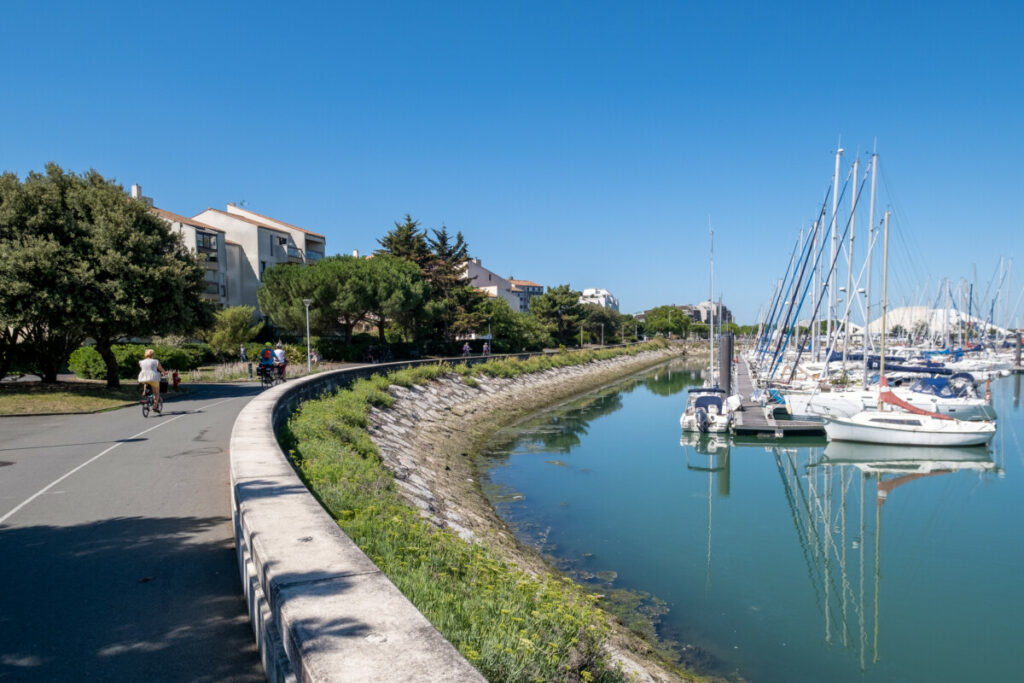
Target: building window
x=263, y=267
x=206, y=241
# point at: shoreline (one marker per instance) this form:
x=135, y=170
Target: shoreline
x=430, y=440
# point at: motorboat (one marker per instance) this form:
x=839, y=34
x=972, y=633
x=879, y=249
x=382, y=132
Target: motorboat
x=707, y=411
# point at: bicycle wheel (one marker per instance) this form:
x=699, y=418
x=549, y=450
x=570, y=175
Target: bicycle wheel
x=145, y=407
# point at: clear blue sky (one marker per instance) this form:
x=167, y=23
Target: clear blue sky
x=583, y=142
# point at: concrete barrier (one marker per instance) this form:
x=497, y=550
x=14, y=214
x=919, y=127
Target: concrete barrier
x=320, y=609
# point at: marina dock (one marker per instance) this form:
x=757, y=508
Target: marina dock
x=753, y=419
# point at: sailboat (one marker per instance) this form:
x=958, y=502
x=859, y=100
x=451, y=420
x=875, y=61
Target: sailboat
x=898, y=422
x=708, y=410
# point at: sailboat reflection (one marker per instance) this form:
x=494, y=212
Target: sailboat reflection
x=708, y=453
x=834, y=483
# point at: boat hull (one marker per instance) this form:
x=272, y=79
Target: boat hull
x=916, y=430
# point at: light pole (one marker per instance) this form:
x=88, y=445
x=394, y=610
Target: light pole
x=309, y=360
x=602, y=334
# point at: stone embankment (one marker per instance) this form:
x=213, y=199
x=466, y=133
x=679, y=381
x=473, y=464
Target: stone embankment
x=428, y=437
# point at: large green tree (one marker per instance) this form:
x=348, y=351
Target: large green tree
x=666, y=320
x=143, y=280
x=601, y=323
x=406, y=241
x=79, y=258
x=337, y=286
x=512, y=330
x=394, y=288
x=454, y=303
x=560, y=310
x=40, y=273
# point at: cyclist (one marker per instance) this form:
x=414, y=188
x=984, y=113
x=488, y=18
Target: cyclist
x=279, y=361
x=266, y=359
x=149, y=373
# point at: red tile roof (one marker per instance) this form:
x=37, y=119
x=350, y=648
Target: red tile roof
x=525, y=283
x=167, y=215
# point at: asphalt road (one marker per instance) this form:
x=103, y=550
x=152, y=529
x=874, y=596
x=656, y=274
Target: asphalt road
x=117, y=556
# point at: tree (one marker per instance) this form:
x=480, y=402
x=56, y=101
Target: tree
x=559, y=309
x=393, y=287
x=667, y=320
x=143, y=281
x=512, y=330
x=406, y=241
x=600, y=322
x=80, y=258
x=453, y=302
x=233, y=327
x=39, y=273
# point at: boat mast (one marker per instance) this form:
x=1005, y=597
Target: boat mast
x=871, y=245
x=832, y=255
x=711, y=300
x=849, y=266
x=885, y=304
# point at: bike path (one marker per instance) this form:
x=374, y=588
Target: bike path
x=117, y=559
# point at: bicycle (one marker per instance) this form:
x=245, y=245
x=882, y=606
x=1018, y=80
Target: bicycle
x=149, y=402
x=267, y=375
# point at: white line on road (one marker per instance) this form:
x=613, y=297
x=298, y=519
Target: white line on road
x=100, y=455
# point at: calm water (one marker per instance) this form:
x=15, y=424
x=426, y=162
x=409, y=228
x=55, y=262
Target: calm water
x=786, y=561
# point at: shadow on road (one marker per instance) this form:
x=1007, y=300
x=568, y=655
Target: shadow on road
x=124, y=599
x=65, y=445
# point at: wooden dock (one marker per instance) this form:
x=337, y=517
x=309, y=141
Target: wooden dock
x=755, y=420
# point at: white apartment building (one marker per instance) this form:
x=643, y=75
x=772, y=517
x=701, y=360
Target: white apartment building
x=210, y=244
x=256, y=242
x=601, y=297
x=491, y=283
x=525, y=290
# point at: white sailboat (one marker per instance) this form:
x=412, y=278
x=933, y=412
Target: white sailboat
x=898, y=422
x=708, y=410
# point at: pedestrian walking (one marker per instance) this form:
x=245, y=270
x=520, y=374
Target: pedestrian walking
x=465, y=349
x=242, y=355
x=487, y=349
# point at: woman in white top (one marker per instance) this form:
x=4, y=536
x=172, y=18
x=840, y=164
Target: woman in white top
x=150, y=374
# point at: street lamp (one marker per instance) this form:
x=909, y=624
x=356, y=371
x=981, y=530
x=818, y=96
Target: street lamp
x=309, y=360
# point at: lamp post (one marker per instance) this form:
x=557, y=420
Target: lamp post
x=309, y=360
x=602, y=334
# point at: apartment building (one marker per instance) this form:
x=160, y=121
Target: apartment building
x=256, y=242
x=491, y=283
x=209, y=242
x=525, y=290
x=601, y=297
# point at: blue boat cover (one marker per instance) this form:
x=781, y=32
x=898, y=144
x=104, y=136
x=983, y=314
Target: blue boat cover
x=707, y=401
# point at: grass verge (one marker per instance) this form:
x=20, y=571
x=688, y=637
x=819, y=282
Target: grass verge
x=513, y=626
x=36, y=398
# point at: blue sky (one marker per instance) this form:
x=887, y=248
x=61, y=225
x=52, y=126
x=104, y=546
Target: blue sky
x=578, y=142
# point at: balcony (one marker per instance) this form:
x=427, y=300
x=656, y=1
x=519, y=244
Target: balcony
x=294, y=255
x=313, y=256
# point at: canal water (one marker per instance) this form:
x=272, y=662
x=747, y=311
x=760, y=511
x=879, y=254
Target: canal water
x=781, y=560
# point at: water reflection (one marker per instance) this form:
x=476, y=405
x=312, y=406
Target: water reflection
x=837, y=517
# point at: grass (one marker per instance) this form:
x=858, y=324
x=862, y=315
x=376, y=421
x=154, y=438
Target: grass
x=511, y=625
x=36, y=398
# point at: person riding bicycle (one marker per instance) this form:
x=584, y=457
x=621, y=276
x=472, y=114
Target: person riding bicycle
x=279, y=361
x=266, y=359
x=149, y=373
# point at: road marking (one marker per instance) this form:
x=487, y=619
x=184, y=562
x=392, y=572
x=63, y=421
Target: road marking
x=100, y=455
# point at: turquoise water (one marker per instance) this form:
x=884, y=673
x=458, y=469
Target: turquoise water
x=782, y=561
